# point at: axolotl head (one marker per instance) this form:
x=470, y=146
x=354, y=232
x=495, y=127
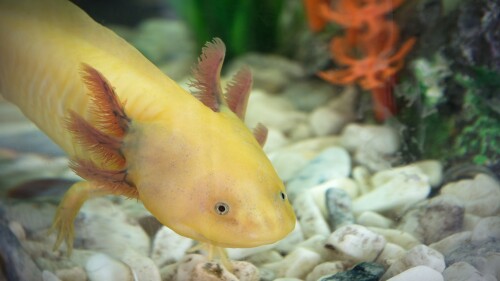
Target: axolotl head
x=203, y=173
x=213, y=184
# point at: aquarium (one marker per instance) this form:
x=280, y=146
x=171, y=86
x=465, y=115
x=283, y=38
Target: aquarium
x=250, y=140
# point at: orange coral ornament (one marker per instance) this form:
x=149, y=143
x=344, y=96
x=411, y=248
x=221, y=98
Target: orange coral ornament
x=368, y=52
x=373, y=69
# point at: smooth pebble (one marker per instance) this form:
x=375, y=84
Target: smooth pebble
x=418, y=255
x=481, y=195
x=398, y=237
x=452, y=242
x=104, y=227
x=169, y=247
x=72, y=274
x=434, y=219
x=338, y=204
x=390, y=254
x=400, y=190
x=49, y=276
x=326, y=268
x=142, y=267
x=418, y=273
x=486, y=229
x=462, y=271
x=331, y=163
x=364, y=271
x=382, y=139
x=433, y=169
x=102, y=267
x=357, y=242
x=297, y=264
x=374, y=219
x=309, y=216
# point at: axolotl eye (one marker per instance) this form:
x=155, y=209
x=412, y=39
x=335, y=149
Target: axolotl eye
x=221, y=208
x=283, y=195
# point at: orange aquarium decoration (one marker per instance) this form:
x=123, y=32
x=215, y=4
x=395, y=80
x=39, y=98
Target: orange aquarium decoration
x=369, y=52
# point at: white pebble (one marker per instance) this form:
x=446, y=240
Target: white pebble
x=369, y=218
x=102, y=267
x=382, y=139
x=470, y=221
x=211, y=271
x=326, y=121
x=331, y=163
x=362, y=176
x=419, y=255
x=72, y=274
x=393, y=190
x=49, y=276
x=346, y=184
x=289, y=243
x=492, y=265
x=450, y=243
x=168, y=246
x=18, y=230
x=309, y=215
x=481, y=195
x=432, y=169
x=245, y=271
x=418, y=273
x=297, y=264
x=398, y=237
x=241, y=253
x=390, y=254
x=326, y=268
x=357, y=242
x=487, y=229
x=187, y=265
x=462, y=271
x=372, y=159
x=142, y=267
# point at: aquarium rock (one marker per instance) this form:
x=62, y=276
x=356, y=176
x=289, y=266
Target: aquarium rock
x=364, y=271
x=102, y=267
x=169, y=247
x=420, y=255
x=434, y=219
x=338, y=204
x=356, y=242
x=480, y=196
x=333, y=162
x=417, y=273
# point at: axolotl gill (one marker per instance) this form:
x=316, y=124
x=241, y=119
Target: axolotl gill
x=130, y=130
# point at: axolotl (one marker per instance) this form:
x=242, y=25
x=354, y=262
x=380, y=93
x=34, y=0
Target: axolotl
x=130, y=130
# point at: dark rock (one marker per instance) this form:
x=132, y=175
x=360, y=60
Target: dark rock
x=15, y=263
x=472, y=252
x=434, y=220
x=338, y=204
x=364, y=271
x=478, y=34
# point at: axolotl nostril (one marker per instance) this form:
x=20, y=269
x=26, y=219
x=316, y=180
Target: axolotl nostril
x=130, y=130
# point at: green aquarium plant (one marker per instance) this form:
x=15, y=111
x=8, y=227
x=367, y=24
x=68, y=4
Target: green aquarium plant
x=459, y=123
x=479, y=139
x=244, y=25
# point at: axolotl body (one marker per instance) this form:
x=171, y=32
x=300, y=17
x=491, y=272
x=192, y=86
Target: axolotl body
x=130, y=130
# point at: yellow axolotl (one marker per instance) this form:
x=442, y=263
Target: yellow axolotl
x=130, y=130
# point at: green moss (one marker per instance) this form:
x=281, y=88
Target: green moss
x=479, y=139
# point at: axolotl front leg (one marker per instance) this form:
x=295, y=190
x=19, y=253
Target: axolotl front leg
x=68, y=209
x=103, y=142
